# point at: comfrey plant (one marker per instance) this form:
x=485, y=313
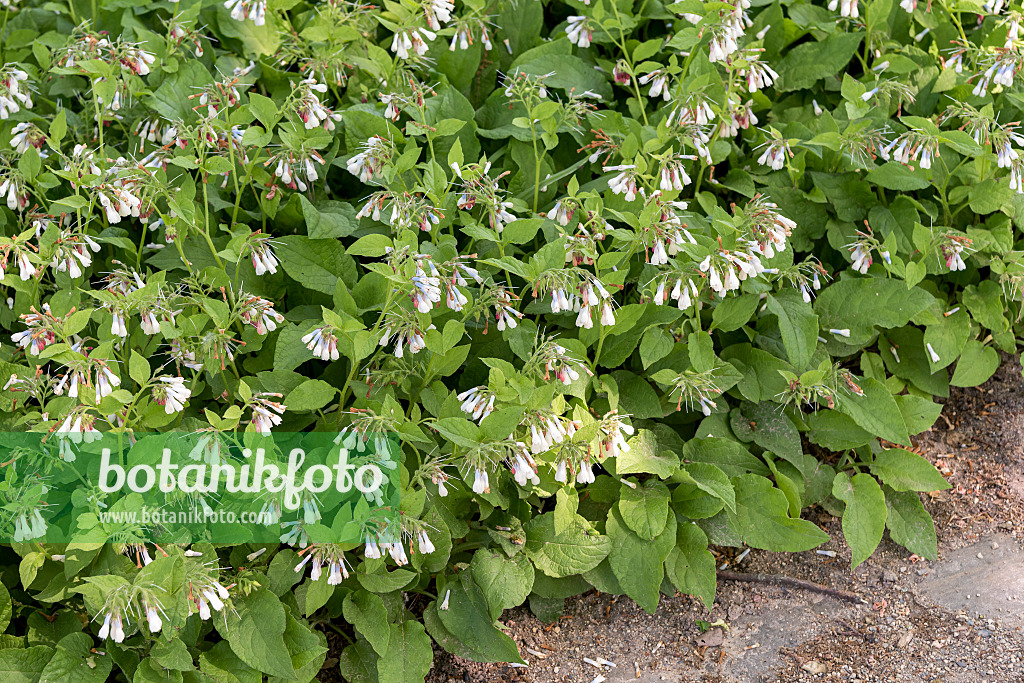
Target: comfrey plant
x=587, y=282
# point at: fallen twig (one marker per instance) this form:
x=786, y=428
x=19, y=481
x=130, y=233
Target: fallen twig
x=789, y=581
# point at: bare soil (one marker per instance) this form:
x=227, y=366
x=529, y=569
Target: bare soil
x=956, y=620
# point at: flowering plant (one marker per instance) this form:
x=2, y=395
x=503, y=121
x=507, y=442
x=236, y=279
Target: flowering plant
x=624, y=279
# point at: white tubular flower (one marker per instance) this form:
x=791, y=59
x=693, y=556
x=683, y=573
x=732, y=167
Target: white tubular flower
x=586, y=473
x=659, y=84
x=775, y=154
x=931, y=353
x=260, y=313
x=118, y=327
x=425, y=545
x=861, y=256
x=13, y=94
x=106, y=380
x=368, y=163
x=847, y=8
x=481, y=483
x=523, y=469
x=563, y=211
x=624, y=182
x=150, y=323
x=438, y=12
x=372, y=550
x=322, y=342
x=113, y=627
x=411, y=39
x=266, y=413
x=253, y=10
x=579, y=32
x=263, y=258
x=172, y=394
x=153, y=618
x=759, y=76
x=477, y=402
x=561, y=474
x=397, y=552
x=614, y=432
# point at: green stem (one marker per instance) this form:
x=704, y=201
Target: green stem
x=373, y=334
x=238, y=195
x=625, y=54
x=712, y=141
x=99, y=114
x=536, y=167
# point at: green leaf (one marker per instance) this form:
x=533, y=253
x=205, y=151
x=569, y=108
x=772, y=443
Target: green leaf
x=172, y=655
x=947, y=338
x=328, y=219
x=734, y=312
x=864, y=514
x=976, y=365
x=645, y=456
x=409, y=654
x=836, y=431
x=372, y=245
x=469, y=620
x=367, y=614
x=315, y=264
x=798, y=325
x=223, y=665
x=773, y=430
x=637, y=563
x=574, y=551
x=358, y=662
x=862, y=304
x=24, y=665
x=919, y=414
x=902, y=470
x=58, y=128
x=690, y=566
x=74, y=662
x=762, y=518
x=727, y=455
x=644, y=508
x=636, y=396
x=710, y=479
x=893, y=175
x=505, y=581
x=6, y=610
x=255, y=631
x=138, y=368
x=909, y=523
x=814, y=60
x=876, y=411
x=290, y=352
x=264, y=109
x=312, y=394
x=29, y=163
x=521, y=231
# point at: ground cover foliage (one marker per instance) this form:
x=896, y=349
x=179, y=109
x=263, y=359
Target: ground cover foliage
x=625, y=279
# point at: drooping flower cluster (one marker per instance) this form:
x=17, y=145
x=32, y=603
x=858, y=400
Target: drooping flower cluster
x=251, y=10
x=368, y=164
x=171, y=393
x=308, y=107
x=14, y=92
